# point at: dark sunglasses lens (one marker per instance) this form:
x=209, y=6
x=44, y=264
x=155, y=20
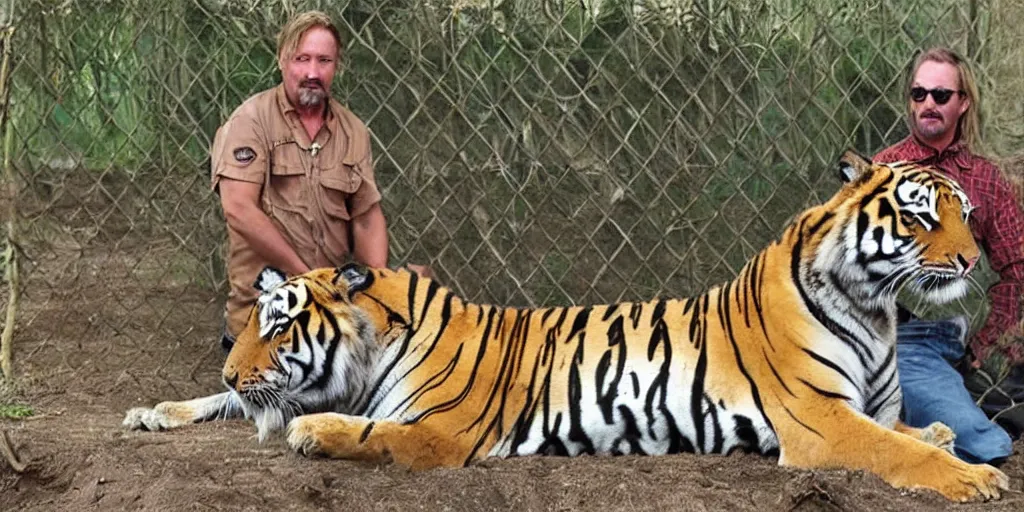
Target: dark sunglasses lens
x=941, y=95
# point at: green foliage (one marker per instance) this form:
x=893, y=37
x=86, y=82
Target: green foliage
x=15, y=411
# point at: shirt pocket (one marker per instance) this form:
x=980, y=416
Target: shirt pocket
x=287, y=189
x=338, y=184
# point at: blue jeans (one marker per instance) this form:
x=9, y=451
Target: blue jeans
x=934, y=391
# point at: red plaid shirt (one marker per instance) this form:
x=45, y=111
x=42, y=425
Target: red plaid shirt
x=998, y=225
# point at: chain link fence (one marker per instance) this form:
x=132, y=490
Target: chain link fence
x=533, y=152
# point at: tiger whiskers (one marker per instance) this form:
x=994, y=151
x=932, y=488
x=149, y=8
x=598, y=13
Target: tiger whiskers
x=290, y=407
x=270, y=409
x=892, y=284
x=938, y=286
x=224, y=410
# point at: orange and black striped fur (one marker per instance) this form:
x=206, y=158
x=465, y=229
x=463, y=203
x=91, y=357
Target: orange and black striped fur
x=795, y=357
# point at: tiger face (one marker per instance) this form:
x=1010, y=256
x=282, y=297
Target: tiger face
x=281, y=365
x=910, y=229
x=936, y=218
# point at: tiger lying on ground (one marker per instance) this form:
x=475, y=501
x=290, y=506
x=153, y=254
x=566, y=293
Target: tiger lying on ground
x=795, y=357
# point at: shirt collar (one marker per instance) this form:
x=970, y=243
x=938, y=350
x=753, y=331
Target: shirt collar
x=956, y=153
x=291, y=114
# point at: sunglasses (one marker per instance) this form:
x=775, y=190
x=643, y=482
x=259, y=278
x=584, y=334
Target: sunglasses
x=940, y=95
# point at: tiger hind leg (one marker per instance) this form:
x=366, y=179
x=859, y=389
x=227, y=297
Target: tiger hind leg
x=342, y=436
x=937, y=434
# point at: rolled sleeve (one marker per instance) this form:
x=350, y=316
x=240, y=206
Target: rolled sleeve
x=240, y=150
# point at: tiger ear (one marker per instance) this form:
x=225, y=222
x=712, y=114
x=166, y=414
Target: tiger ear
x=268, y=279
x=356, y=276
x=853, y=165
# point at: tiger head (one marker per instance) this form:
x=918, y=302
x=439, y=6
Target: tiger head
x=908, y=227
x=305, y=349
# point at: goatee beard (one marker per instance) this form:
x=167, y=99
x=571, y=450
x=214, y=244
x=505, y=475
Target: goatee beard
x=929, y=132
x=309, y=97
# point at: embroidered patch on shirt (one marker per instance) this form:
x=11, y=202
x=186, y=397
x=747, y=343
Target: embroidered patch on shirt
x=244, y=155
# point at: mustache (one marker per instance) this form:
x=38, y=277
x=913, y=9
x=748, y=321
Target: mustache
x=931, y=114
x=310, y=83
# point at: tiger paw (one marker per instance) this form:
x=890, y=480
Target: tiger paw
x=165, y=416
x=974, y=482
x=305, y=434
x=939, y=435
x=330, y=434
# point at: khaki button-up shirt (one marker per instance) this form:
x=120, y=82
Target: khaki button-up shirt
x=311, y=188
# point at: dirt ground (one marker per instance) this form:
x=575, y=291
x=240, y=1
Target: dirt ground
x=86, y=357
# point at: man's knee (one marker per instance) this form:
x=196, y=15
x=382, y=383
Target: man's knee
x=986, y=442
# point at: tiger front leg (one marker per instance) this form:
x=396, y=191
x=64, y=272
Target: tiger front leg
x=169, y=415
x=342, y=436
x=842, y=438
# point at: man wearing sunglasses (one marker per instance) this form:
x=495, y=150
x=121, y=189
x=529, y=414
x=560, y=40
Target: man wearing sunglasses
x=942, y=110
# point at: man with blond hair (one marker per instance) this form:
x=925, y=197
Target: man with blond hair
x=942, y=113
x=294, y=172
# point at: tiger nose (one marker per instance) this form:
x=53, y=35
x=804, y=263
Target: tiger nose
x=231, y=380
x=967, y=264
